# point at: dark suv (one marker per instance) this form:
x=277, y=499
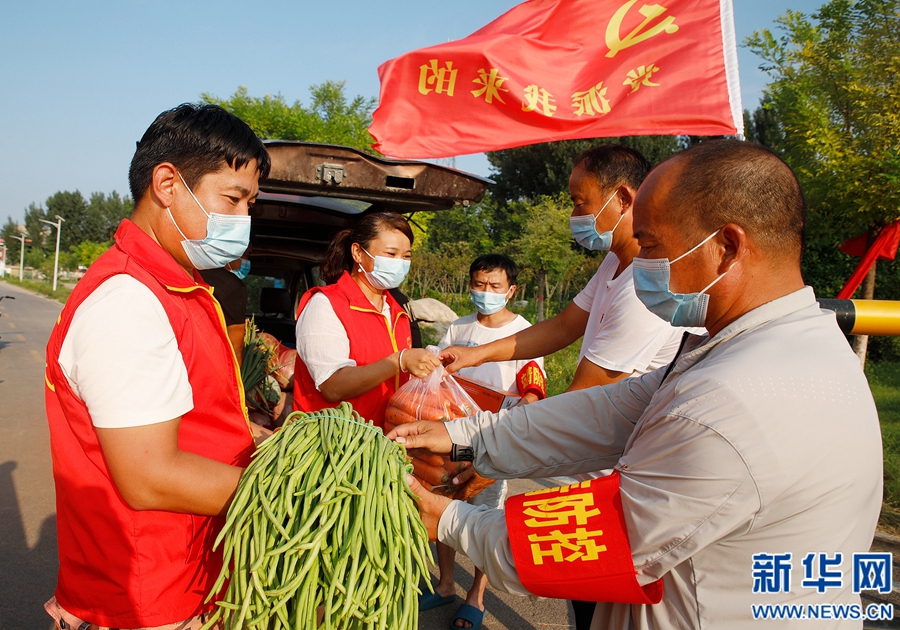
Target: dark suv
x=315, y=190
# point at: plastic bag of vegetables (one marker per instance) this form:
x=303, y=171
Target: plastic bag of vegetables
x=323, y=531
x=435, y=398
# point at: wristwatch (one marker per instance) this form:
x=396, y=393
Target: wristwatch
x=462, y=454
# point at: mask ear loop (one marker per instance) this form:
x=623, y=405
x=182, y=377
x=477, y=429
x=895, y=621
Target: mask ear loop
x=695, y=247
x=202, y=209
x=597, y=216
x=721, y=275
x=358, y=264
x=621, y=216
x=176, y=225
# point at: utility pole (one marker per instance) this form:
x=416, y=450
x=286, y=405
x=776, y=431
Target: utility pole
x=22, y=254
x=58, y=226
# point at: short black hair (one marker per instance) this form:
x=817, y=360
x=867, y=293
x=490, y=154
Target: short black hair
x=198, y=140
x=733, y=181
x=614, y=165
x=489, y=262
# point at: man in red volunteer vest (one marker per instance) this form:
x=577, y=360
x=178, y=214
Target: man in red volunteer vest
x=148, y=428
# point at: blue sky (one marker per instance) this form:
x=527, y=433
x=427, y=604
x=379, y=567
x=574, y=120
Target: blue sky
x=81, y=81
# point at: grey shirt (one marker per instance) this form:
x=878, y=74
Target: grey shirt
x=763, y=439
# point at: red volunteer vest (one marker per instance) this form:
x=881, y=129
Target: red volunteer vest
x=120, y=567
x=371, y=339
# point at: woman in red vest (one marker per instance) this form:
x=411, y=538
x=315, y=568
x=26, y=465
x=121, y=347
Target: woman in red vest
x=353, y=338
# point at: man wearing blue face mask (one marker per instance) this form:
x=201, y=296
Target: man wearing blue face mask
x=148, y=426
x=754, y=455
x=492, y=282
x=621, y=337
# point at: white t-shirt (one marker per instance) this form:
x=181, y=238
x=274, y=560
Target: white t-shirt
x=621, y=334
x=467, y=331
x=121, y=358
x=322, y=342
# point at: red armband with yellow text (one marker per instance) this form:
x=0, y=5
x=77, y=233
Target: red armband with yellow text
x=571, y=543
x=531, y=379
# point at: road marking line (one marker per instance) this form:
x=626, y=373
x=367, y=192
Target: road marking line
x=11, y=325
x=37, y=357
x=20, y=337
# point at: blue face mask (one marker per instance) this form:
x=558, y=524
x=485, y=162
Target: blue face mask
x=487, y=302
x=584, y=230
x=227, y=237
x=651, y=284
x=388, y=273
x=244, y=270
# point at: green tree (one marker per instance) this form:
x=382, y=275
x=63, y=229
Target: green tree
x=36, y=230
x=470, y=224
x=543, y=169
x=86, y=253
x=545, y=245
x=10, y=234
x=762, y=126
x=80, y=223
x=110, y=209
x=834, y=92
x=329, y=118
x=536, y=170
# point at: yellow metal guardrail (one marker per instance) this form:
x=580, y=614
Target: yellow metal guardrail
x=866, y=317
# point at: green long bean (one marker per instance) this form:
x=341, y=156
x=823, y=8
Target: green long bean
x=322, y=532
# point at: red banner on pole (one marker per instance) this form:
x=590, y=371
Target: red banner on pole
x=884, y=247
x=563, y=69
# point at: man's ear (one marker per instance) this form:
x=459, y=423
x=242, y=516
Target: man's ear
x=626, y=197
x=162, y=183
x=734, y=243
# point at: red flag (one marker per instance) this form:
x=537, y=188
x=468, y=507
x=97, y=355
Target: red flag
x=884, y=247
x=560, y=69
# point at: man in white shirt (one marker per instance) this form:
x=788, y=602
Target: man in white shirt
x=621, y=337
x=492, y=282
x=748, y=474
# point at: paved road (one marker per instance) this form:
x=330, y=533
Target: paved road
x=28, y=562
x=503, y=611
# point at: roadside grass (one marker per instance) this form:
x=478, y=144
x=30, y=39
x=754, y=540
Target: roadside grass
x=884, y=380
x=60, y=295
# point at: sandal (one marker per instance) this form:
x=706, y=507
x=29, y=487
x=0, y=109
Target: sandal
x=427, y=601
x=469, y=613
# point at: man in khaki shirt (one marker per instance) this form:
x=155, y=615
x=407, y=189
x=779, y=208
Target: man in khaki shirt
x=756, y=456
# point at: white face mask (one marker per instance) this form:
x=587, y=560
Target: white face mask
x=388, y=273
x=227, y=237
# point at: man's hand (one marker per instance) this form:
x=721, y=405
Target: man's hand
x=418, y=362
x=527, y=399
x=431, y=506
x=462, y=477
x=427, y=437
x=456, y=358
x=260, y=433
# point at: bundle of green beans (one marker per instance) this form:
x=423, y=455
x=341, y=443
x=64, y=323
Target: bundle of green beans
x=323, y=531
